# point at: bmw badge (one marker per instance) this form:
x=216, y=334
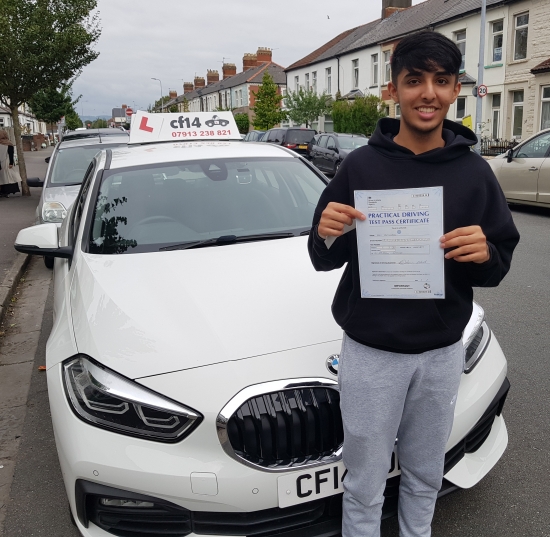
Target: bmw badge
x=332, y=363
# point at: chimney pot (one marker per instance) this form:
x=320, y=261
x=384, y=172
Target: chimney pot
x=212, y=76
x=249, y=61
x=172, y=94
x=229, y=69
x=389, y=7
x=264, y=55
x=188, y=87
x=199, y=82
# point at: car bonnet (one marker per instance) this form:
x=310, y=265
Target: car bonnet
x=154, y=313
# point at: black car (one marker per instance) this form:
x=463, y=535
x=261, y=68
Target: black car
x=311, y=144
x=294, y=138
x=331, y=149
x=216, y=121
x=253, y=136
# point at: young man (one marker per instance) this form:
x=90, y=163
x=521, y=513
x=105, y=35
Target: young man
x=402, y=359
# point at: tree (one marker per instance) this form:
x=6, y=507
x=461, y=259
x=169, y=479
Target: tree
x=72, y=120
x=305, y=106
x=51, y=104
x=43, y=44
x=185, y=105
x=359, y=116
x=158, y=103
x=243, y=123
x=268, y=104
x=99, y=124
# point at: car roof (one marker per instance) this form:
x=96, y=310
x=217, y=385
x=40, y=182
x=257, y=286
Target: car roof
x=93, y=140
x=160, y=153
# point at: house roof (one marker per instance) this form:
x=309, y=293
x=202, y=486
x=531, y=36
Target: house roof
x=253, y=75
x=542, y=67
x=426, y=15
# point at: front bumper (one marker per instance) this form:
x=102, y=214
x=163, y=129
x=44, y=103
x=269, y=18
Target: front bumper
x=240, y=500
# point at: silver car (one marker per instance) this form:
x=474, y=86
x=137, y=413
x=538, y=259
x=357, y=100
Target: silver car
x=524, y=171
x=66, y=170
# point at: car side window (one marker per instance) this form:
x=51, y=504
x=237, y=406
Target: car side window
x=322, y=142
x=331, y=144
x=536, y=148
x=81, y=200
x=272, y=136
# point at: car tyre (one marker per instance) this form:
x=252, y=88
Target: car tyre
x=48, y=261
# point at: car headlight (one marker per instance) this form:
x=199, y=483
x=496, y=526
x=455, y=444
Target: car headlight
x=53, y=211
x=109, y=400
x=476, y=337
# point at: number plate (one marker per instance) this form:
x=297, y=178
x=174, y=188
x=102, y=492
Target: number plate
x=318, y=482
x=302, y=146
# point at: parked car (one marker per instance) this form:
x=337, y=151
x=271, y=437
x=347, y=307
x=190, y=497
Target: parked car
x=193, y=360
x=311, y=143
x=293, y=138
x=253, y=136
x=331, y=149
x=67, y=166
x=524, y=171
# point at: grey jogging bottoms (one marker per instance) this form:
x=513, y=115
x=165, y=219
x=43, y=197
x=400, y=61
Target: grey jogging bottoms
x=385, y=396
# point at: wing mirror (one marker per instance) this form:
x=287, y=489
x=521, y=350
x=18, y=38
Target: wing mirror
x=35, y=181
x=510, y=155
x=41, y=240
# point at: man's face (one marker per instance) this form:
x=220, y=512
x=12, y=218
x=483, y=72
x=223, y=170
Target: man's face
x=424, y=97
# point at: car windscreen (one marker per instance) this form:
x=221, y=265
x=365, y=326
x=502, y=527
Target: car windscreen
x=70, y=164
x=146, y=208
x=299, y=136
x=349, y=142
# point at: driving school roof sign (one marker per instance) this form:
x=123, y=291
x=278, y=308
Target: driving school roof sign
x=147, y=128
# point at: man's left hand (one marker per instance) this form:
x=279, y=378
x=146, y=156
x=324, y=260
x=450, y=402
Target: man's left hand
x=469, y=243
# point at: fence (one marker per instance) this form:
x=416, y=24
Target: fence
x=492, y=148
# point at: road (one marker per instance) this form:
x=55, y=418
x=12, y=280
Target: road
x=512, y=501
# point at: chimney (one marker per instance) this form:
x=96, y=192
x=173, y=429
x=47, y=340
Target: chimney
x=211, y=77
x=229, y=69
x=199, y=82
x=263, y=55
x=389, y=7
x=172, y=94
x=124, y=106
x=249, y=61
x=188, y=87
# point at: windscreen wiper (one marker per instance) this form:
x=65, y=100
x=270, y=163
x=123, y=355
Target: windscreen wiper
x=226, y=239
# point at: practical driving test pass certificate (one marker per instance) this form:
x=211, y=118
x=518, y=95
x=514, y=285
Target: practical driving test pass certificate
x=398, y=244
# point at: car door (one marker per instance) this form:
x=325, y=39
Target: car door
x=544, y=181
x=331, y=155
x=519, y=178
x=317, y=152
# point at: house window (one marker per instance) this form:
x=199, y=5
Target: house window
x=517, y=113
x=314, y=81
x=495, y=115
x=374, y=64
x=520, y=39
x=296, y=83
x=497, y=27
x=460, y=39
x=545, y=108
x=1, y=121
x=460, y=107
x=307, y=81
x=355, y=73
x=397, y=111
x=328, y=76
x=387, y=69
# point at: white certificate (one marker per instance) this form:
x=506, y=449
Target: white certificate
x=398, y=244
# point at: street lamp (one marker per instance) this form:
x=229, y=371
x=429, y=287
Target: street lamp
x=161, y=97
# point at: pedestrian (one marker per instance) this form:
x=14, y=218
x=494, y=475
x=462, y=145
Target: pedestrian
x=402, y=359
x=9, y=178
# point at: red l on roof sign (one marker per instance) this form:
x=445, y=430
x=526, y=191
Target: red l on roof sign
x=129, y=112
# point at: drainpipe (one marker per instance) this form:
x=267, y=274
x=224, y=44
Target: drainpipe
x=338, y=69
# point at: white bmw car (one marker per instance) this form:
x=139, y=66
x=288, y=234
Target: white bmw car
x=192, y=366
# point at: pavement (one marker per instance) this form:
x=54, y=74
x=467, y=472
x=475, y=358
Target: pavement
x=17, y=212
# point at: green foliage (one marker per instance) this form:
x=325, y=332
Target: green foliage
x=162, y=101
x=185, y=105
x=173, y=108
x=99, y=124
x=306, y=106
x=268, y=105
x=359, y=116
x=43, y=44
x=72, y=121
x=51, y=104
x=243, y=123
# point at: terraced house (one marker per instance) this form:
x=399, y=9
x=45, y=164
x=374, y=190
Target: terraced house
x=516, y=60
x=235, y=91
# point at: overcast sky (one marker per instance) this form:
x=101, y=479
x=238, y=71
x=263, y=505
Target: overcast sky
x=175, y=39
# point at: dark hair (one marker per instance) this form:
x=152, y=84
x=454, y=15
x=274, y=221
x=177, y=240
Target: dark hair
x=426, y=51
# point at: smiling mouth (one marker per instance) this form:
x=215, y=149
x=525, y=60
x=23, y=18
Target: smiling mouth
x=426, y=109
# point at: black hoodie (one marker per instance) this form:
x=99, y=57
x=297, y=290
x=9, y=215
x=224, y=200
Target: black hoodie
x=472, y=196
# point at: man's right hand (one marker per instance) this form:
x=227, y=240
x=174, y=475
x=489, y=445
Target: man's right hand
x=334, y=217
